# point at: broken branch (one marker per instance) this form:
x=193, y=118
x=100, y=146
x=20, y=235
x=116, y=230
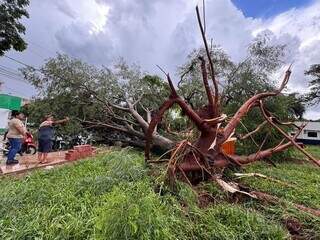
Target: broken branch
x=242, y=175
x=292, y=140
x=260, y=126
x=243, y=110
x=212, y=72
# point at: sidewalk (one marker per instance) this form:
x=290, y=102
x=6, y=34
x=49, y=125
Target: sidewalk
x=30, y=162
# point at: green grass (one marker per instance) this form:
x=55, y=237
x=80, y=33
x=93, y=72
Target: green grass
x=59, y=204
x=305, y=179
x=314, y=149
x=114, y=197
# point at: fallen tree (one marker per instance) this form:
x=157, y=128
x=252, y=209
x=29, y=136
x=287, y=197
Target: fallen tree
x=127, y=126
x=114, y=103
x=205, y=157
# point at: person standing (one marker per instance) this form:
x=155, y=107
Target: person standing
x=17, y=131
x=45, y=136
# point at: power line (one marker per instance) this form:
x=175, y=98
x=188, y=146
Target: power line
x=7, y=74
x=10, y=72
x=16, y=74
x=11, y=69
x=24, y=64
x=17, y=61
x=12, y=77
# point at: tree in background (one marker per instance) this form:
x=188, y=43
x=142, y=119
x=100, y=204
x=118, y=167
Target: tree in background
x=314, y=96
x=296, y=105
x=114, y=102
x=11, y=11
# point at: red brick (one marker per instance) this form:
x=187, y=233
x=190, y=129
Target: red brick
x=69, y=156
x=77, y=148
x=75, y=154
x=81, y=151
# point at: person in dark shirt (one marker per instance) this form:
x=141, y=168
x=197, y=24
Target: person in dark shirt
x=45, y=136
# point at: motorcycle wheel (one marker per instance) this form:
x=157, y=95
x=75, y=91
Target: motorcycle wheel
x=31, y=150
x=63, y=146
x=6, y=149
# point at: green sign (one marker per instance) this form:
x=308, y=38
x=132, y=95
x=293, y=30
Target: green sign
x=10, y=102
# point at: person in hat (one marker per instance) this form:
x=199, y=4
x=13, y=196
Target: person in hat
x=46, y=135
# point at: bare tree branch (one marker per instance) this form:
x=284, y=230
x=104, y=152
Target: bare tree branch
x=260, y=126
x=212, y=72
x=244, y=109
x=138, y=101
x=190, y=68
x=205, y=83
x=118, y=107
x=269, y=119
x=115, y=127
x=265, y=153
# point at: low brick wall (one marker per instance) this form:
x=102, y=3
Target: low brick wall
x=81, y=151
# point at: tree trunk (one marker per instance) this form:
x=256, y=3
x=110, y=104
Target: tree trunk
x=206, y=155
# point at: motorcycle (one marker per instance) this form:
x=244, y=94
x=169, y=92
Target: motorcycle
x=82, y=140
x=64, y=142
x=27, y=147
x=60, y=143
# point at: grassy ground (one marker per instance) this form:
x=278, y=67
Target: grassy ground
x=315, y=150
x=305, y=189
x=114, y=197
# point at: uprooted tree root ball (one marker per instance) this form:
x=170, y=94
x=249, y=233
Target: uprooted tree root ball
x=205, y=158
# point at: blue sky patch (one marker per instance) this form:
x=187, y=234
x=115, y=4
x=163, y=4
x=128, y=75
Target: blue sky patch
x=268, y=8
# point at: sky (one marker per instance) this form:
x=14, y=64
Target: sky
x=164, y=32
x=268, y=8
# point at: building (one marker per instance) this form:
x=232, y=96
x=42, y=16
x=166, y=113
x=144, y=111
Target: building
x=310, y=134
x=7, y=104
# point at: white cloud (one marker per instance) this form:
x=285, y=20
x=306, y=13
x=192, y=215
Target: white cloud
x=157, y=32
x=300, y=30
x=162, y=32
